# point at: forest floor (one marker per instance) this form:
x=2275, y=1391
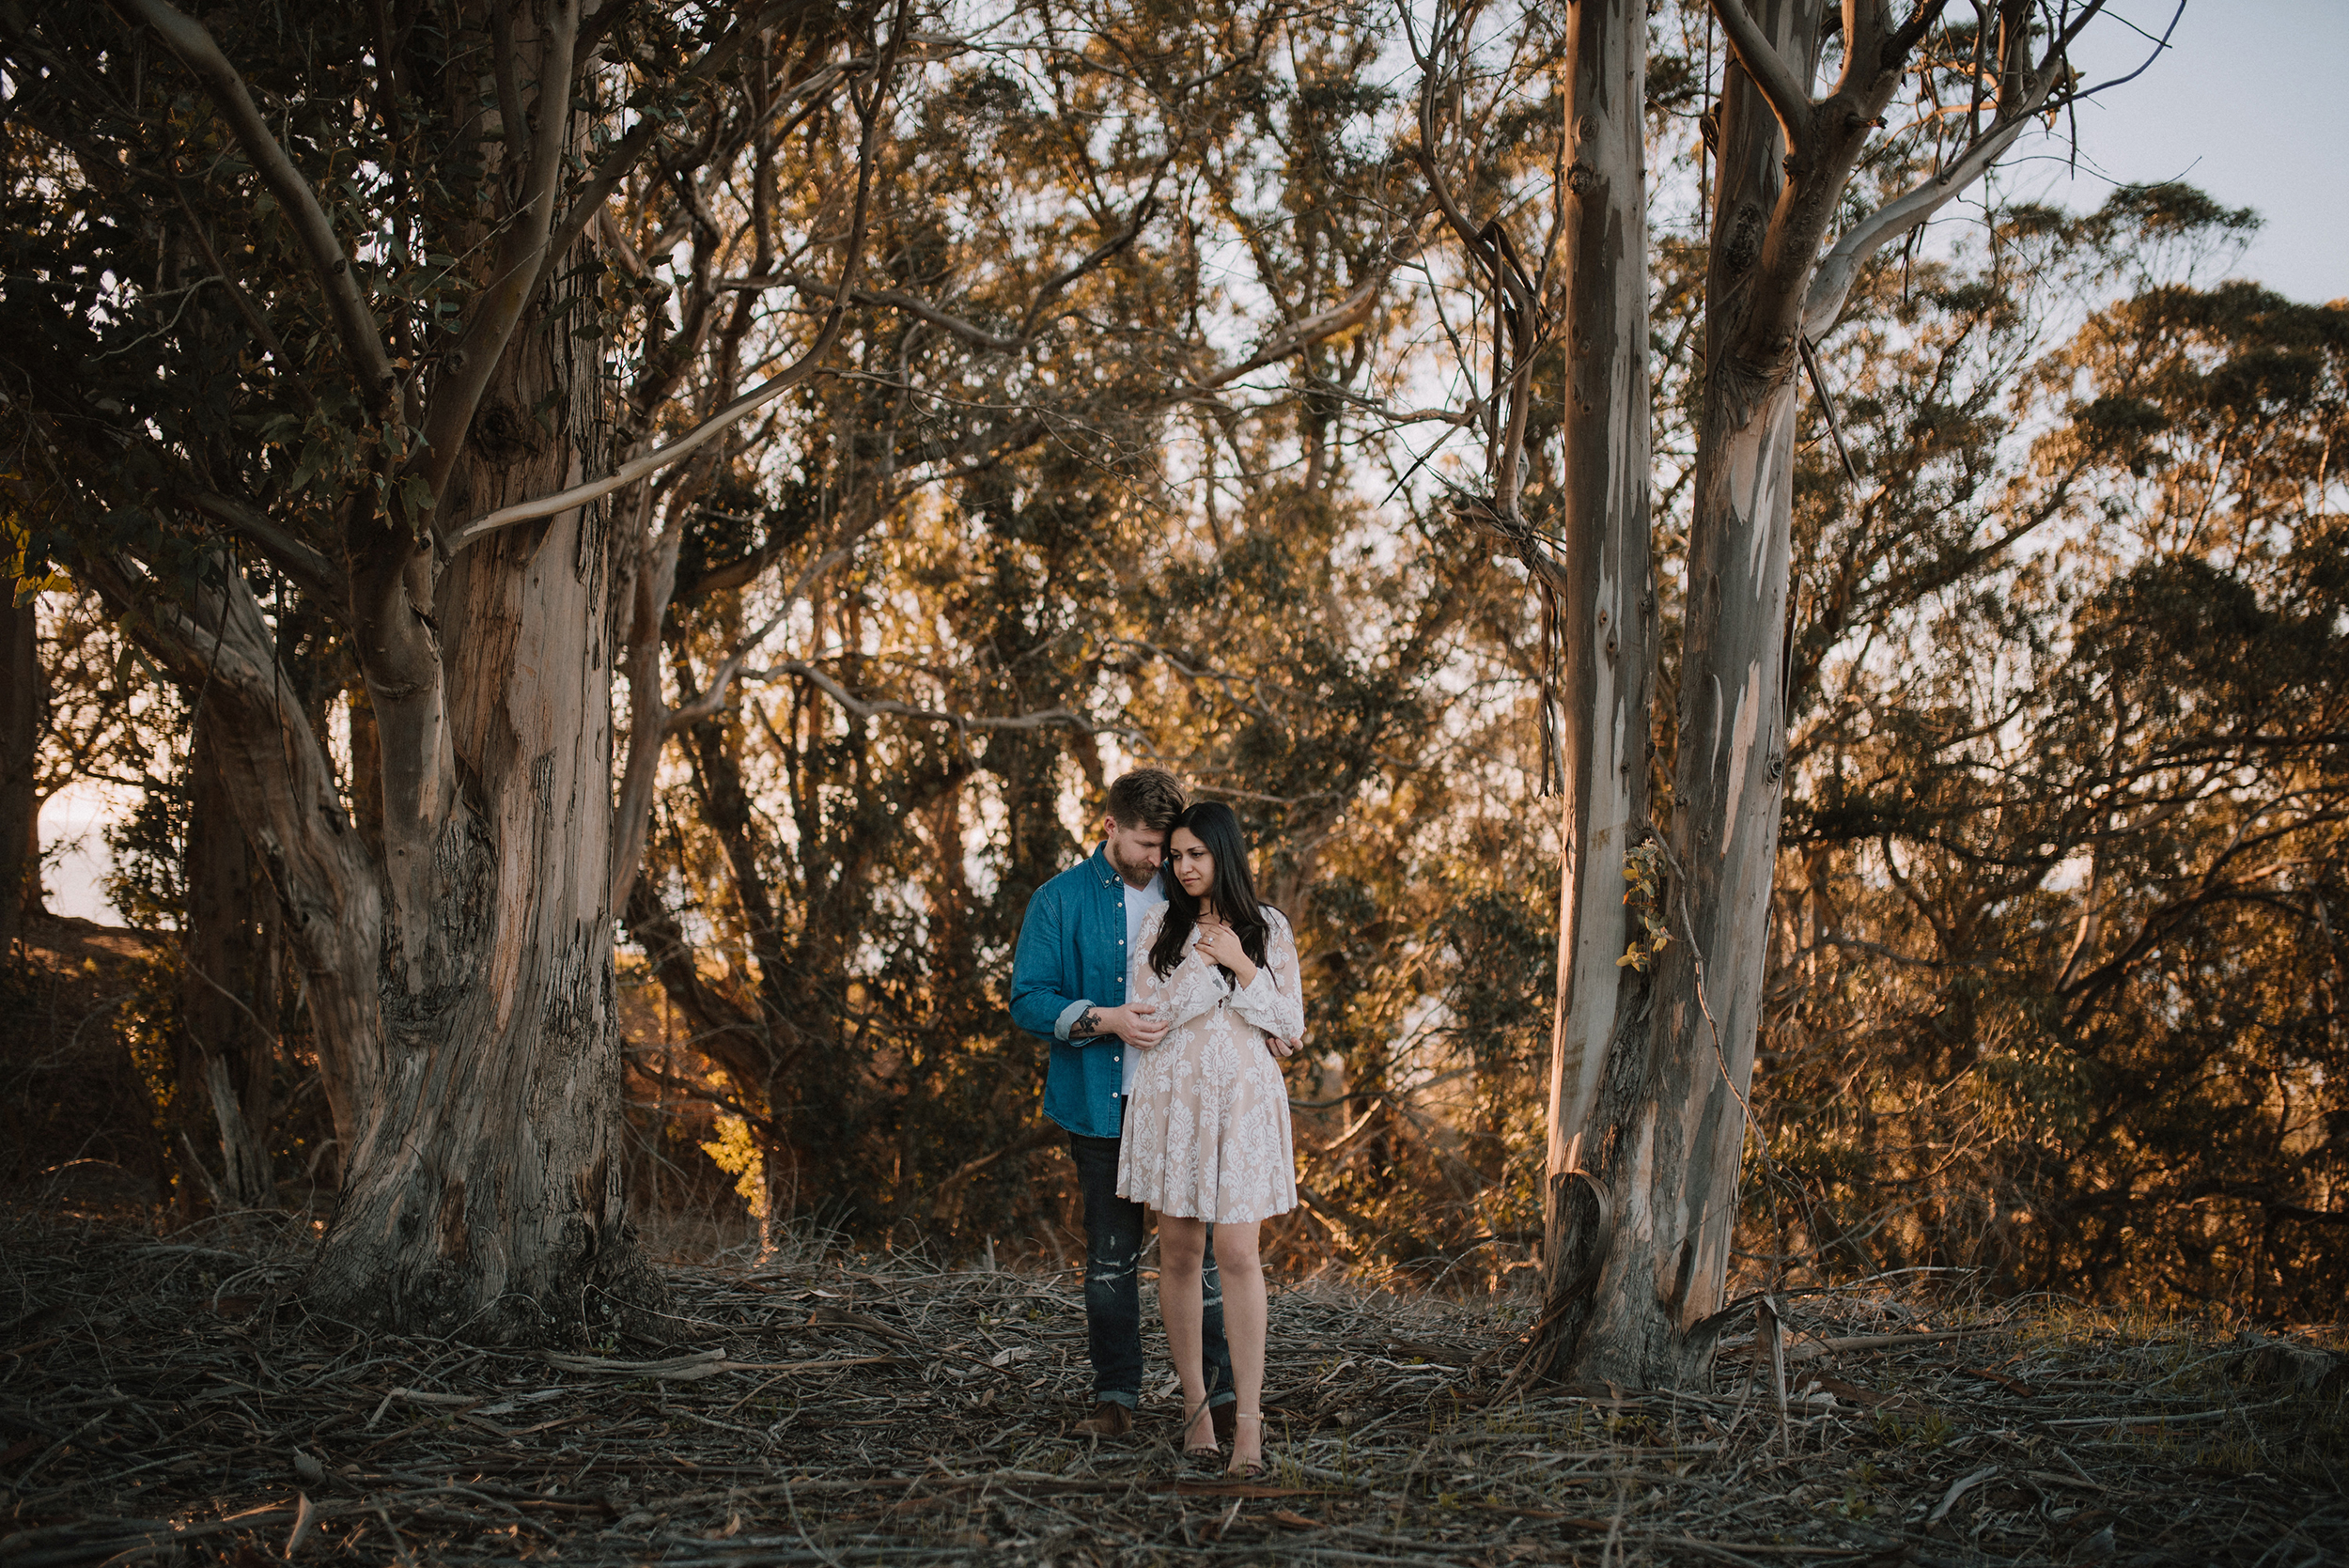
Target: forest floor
x=167, y=1400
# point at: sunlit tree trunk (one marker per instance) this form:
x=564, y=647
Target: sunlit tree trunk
x=1605, y=609
x=1662, y=1132
x=484, y=1164
x=1639, y=1260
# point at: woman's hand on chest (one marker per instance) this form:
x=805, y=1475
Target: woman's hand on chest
x=1218, y=943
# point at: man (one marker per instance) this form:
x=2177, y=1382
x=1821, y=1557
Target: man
x=1068, y=986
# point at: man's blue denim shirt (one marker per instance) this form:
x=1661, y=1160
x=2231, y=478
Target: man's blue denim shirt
x=1072, y=952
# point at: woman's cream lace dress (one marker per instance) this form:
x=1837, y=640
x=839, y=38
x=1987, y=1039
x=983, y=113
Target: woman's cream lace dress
x=1207, y=1132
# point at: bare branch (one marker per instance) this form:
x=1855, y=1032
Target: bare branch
x=714, y=699
x=1779, y=87
x=1909, y=34
x=1831, y=285
x=896, y=299
x=626, y=152
x=497, y=307
x=310, y=569
x=354, y=323
x=1345, y=316
x=1099, y=253
x=862, y=708
x=758, y=397
x=2159, y=47
x=970, y=332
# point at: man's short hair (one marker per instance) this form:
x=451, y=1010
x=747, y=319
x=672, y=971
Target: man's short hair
x=1147, y=798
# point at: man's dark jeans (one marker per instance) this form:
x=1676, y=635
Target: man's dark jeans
x=1114, y=1237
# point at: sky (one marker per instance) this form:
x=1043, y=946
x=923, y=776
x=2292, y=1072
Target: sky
x=2244, y=102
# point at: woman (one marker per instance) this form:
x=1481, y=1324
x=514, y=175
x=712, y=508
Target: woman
x=1206, y=1137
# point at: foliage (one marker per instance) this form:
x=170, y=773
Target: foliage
x=2054, y=978
x=2053, y=990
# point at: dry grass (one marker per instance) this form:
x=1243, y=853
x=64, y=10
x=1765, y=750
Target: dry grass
x=169, y=1400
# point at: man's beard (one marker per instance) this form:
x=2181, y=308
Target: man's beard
x=1134, y=871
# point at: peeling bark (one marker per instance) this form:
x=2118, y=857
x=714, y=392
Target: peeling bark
x=1649, y=1098
x=1606, y=608
x=1663, y=1131
x=483, y=1187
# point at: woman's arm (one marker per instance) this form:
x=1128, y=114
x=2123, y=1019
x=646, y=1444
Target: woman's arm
x=1192, y=989
x=1273, y=1002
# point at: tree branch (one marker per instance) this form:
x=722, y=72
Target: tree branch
x=970, y=332
x=1839, y=270
x=499, y=305
x=758, y=397
x=1345, y=316
x=867, y=709
x=714, y=699
x=630, y=148
x=1101, y=253
x=308, y=567
x=355, y=324
x=1779, y=87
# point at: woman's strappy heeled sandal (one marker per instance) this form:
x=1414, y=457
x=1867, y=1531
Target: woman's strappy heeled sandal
x=1252, y=1468
x=1213, y=1451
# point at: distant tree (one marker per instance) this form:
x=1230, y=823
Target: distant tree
x=2069, y=844
x=23, y=689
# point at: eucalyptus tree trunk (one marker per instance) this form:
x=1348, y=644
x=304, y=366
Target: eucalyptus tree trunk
x=1649, y=1098
x=1661, y=1133
x=1606, y=610
x=457, y=952
x=454, y=918
x=484, y=1167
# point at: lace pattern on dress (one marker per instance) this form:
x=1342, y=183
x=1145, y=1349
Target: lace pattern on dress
x=1207, y=1131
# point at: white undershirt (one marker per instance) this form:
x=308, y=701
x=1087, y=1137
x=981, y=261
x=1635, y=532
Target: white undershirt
x=1139, y=903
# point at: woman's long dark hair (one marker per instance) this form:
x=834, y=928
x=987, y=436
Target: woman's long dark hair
x=1235, y=891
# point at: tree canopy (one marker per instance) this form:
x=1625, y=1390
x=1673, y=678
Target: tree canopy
x=656, y=525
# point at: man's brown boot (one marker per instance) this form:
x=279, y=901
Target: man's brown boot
x=1108, y=1420
x=1226, y=1419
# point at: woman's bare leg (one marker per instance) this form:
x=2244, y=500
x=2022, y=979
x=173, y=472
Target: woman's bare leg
x=1244, y=1314
x=1182, y=1251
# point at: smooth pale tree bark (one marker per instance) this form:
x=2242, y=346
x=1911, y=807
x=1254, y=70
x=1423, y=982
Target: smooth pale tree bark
x=1605, y=602
x=1666, y=1130
x=1637, y=1259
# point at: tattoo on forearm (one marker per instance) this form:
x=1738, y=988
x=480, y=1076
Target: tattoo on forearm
x=1087, y=1022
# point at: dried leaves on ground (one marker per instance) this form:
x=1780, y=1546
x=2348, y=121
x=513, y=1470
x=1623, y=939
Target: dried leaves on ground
x=169, y=1400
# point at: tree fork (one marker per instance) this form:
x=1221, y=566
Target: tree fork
x=483, y=1194
x=1660, y=1132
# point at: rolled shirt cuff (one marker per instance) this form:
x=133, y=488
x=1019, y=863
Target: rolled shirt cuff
x=1069, y=1016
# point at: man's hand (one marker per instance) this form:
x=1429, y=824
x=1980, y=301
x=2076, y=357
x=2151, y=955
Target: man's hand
x=1139, y=1027
x=1282, y=1048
